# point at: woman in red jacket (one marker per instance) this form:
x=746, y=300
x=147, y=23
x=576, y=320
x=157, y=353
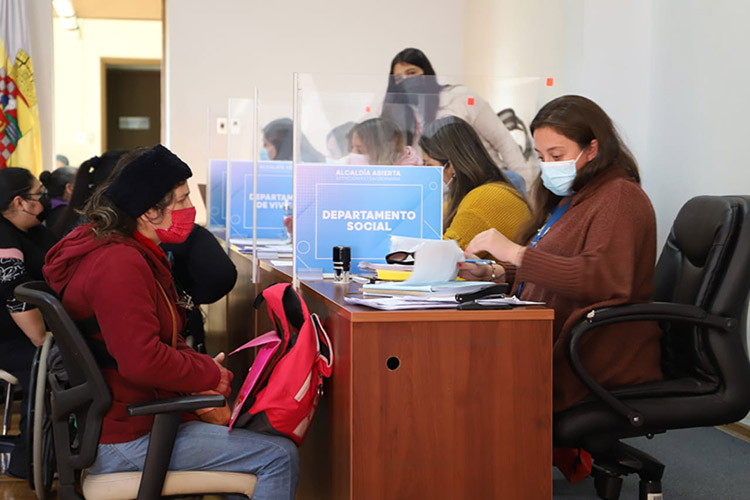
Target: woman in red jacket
x=591, y=243
x=114, y=270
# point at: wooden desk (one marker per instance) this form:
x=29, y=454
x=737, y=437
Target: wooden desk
x=426, y=404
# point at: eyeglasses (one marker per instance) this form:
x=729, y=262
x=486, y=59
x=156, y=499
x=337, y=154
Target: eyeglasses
x=400, y=257
x=34, y=196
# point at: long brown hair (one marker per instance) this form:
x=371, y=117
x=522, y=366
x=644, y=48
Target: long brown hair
x=452, y=139
x=581, y=120
x=108, y=218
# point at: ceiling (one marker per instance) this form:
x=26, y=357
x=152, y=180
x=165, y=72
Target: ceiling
x=118, y=9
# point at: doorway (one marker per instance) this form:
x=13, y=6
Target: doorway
x=131, y=111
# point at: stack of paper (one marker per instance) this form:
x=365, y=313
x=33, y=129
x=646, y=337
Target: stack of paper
x=265, y=248
x=432, y=284
x=391, y=272
x=399, y=303
x=442, y=287
x=436, y=301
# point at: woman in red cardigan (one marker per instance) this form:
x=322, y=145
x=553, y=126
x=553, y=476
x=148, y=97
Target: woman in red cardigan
x=114, y=271
x=591, y=243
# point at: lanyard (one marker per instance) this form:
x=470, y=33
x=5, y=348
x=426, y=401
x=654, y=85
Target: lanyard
x=558, y=212
x=555, y=216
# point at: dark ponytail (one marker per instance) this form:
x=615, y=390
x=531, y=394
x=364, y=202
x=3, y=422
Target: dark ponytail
x=56, y=180
x=91, y=174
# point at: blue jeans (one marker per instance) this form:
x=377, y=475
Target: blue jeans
x=201, y=446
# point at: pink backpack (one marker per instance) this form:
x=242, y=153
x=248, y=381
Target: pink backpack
x=283, y=387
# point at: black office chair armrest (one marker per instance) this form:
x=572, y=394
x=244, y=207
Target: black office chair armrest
x=168, y=414
x=651, y=311
x=182, y=404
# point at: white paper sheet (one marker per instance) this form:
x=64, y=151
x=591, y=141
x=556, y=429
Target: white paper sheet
x=397, y=303
x=434, y=261
x=406, y=302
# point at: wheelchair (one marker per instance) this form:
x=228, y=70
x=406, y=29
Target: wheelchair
x=42, y=466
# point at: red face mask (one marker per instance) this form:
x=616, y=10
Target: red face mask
x=179, y=230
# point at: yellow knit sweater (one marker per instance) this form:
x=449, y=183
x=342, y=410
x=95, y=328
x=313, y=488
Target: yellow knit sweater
x=491, y=205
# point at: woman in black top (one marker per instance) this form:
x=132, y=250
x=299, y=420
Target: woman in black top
x=23, y=245
x=59, y=186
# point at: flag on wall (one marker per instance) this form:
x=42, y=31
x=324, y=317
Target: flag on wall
x=20, y=134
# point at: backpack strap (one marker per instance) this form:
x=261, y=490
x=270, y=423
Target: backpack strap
x=325, y=349
x=171, y=313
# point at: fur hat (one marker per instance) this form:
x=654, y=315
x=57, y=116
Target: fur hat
x=146, y=180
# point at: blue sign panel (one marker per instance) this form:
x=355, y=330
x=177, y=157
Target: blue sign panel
x=361, y=207
x=273, y=196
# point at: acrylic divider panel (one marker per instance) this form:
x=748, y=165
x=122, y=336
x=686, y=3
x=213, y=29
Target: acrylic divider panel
x=370, y=125
x=216, y=148
x=241, y=133
x=361, y=207
x=273, y=198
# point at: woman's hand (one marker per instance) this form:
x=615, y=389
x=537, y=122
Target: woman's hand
x=480, y=272
x=496, y=244
x=226, y=377
x=474, y=272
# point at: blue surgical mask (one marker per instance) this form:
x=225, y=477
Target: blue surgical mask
x=358, y=159
x=264, y=155
x=558, y=176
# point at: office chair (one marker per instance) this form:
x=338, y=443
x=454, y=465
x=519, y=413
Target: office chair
x=77, y=409
x=702, y=281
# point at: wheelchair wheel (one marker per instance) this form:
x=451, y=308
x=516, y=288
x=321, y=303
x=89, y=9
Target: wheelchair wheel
x=43, y=465
x=29, y=428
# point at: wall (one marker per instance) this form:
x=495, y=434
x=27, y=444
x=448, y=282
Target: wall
x=236, y=44
x=39, y=15
x=78, y=79
x=593, y=48
x=511, y=39
x=671, y=74
x=698, y=120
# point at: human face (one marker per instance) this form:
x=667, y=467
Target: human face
x=30, y=201
x=180, y=200
x=358, y=146
x=402, y=70
x=270, y=148
x=448, y=171
x=550, y=145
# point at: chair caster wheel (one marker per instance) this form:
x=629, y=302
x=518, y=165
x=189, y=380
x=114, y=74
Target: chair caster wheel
x=650, y=490
x=607, y=485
